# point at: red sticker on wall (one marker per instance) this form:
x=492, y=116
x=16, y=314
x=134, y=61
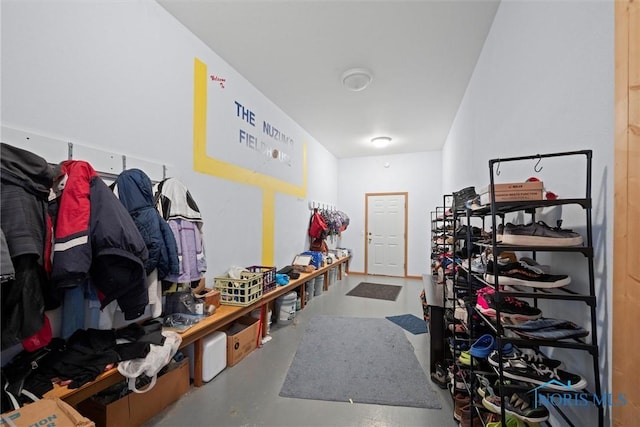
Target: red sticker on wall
x=220, y=80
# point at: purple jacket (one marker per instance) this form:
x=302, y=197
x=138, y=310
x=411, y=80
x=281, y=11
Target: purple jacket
x=191, y=256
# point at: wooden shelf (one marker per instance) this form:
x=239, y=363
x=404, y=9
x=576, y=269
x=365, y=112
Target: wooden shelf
x=223, y=316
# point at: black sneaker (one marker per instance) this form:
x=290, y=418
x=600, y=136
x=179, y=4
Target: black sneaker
x=523, y=274
x=518, y=368
x=511, y=308
x=440, y=376
x=528, y=356
x=463, y=230
x=518, y=405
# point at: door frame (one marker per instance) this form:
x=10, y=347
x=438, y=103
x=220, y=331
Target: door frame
x=625, y=304
x=366, y=226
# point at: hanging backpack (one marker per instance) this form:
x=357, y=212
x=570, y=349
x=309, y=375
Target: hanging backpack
x=317, y=226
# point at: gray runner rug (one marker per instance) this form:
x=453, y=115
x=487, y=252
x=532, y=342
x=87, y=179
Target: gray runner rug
x=359, y=360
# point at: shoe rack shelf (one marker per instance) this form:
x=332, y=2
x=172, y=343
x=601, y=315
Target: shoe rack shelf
x=496, y=212
x=454, y=332
x=441, y=221
x=465, y=243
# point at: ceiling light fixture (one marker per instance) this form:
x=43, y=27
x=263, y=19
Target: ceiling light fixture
x=381, y=141
x=356, y=79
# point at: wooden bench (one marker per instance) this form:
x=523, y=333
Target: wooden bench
x=223, y=317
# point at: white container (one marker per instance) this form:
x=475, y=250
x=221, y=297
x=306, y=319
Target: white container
x=333, y=276
x=214, y=355
x=308, y=291
x=318, y=285
x=286, y=308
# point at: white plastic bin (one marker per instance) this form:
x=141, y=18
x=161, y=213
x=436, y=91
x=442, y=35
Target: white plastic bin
x=286, y=308
x=318, y=285
x=308, y=290
x=214, y=355
x=333, y=276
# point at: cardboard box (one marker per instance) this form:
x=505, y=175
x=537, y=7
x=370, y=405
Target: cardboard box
x=514, y=186
x=50, y=411
x=210, y=297
x=513, y=192
x=135, y=409
x=511, y=196
x=242, y=339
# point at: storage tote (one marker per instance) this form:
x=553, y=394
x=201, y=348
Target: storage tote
x=244, y=291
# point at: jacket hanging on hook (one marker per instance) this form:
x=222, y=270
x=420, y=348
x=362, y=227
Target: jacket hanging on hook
x=317, y=226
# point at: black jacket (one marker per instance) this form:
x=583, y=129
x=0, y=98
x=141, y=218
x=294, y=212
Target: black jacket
x=96, y=238
x=26, y=180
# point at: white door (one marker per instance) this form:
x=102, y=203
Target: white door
x=386, y=234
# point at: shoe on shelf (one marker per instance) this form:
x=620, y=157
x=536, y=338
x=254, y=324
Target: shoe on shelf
x=469, y=416
x=522, y=274
x=463, y=230
x=462, y=196
x=465, y=359
x=511, y=308
x=532, y=357
x=537, y=234
x=460, y=380
x=440, y=376
x=511, y=422
x=460, y=400
x=462, y=314
x=476, y=416
x=504, y=258
x=444, y=215
x=484, y=384
x=517, y=404
x=548, y=329
x=528, y=356
x=483, y=346
x=457, y=328
x=474, y=203
x=533, y=263
x=519, y=368
x=477, y=265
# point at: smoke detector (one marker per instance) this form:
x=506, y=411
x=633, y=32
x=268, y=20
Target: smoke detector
x=356, y=79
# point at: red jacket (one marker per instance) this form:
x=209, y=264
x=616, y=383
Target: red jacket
x=95, y=237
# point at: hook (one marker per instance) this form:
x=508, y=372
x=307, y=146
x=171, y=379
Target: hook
x=535, y=167
x=498, y=168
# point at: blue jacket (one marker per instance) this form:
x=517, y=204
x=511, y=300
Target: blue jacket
x=133, y=188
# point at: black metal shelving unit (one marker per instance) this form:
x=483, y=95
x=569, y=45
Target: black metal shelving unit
x=440, y=219
x=497, y=210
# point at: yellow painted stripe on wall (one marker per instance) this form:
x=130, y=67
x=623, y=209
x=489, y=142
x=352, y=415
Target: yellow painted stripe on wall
x=268, y=226
x=211, y=166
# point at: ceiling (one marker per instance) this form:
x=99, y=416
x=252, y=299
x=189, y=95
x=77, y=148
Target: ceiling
x=421, y=55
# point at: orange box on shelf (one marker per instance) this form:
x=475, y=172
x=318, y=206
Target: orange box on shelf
x=514, y=186
x=135, y=409
x=49, y=411
x=210, y=297
x=512, y=192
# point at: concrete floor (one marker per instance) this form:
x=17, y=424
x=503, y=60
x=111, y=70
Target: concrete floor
x=247, y=394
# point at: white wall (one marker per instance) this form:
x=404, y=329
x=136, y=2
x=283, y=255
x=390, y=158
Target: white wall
x=120, y=76
x=543, y=84
x=418, y=174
